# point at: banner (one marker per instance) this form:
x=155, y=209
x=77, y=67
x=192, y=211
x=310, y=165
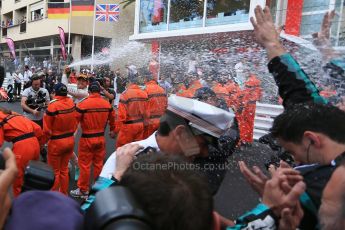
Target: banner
x=10, y=44
x=62, y=43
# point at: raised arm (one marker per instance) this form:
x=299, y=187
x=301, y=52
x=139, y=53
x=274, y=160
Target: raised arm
x=293, y=83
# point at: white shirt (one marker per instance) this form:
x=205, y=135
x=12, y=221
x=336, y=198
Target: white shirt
x=26, y=60
x=110, y=166
x=10, y=80
x=18, y=78
x=82, y=93
x=30, y=92
x=115, y=84
x=27, y=76
x=64, y=79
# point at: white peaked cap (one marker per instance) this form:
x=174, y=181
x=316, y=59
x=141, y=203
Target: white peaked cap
x=202, y=116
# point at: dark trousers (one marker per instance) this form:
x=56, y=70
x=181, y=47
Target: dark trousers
x=43, y=151
x=17, y=88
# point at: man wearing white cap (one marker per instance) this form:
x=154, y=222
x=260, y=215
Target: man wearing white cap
x=199, y=131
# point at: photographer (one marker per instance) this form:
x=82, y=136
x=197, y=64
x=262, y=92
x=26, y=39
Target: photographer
x=106, y=92
x=34, y=101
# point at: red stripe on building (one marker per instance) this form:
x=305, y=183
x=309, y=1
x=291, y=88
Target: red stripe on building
x=155, y=47
x=294, y=17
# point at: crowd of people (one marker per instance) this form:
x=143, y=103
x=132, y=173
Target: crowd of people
x=168, y=135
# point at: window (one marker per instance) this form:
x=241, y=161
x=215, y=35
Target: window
x=37, y=14
x=171, y=15
x=311, y=24
x=314, y=5
x=220, y=12
x=186, y=14
x=36, y=11
x=273, y=9
x=153, y=15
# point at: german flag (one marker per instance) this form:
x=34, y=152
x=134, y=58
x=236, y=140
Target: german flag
x=58, y=9
x=83, y=8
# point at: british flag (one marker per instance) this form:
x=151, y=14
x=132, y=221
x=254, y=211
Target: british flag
x=107, y=12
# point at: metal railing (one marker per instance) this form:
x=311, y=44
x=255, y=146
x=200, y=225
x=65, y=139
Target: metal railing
x=264, y=117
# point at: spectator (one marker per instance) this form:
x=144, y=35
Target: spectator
x=27, y=77
x=45, y=63
x=27, y=60
x=106, y=92
x=50, y=81
x=18, y=78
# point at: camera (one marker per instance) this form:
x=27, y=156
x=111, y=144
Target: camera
x=100, y=80
x=280, y=153
x=37, y=102
x=116, y=208
x=38, y=176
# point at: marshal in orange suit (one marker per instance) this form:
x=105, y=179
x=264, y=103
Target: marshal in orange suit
x=59, y=125
x=94, y=113
x=157, y=103
x=25, y=136
x=133, y=114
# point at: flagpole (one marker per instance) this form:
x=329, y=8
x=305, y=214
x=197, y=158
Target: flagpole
x=93, y=34
x=69, y=26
